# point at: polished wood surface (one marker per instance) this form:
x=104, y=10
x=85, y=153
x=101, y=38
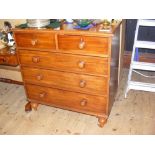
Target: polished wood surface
x=68, y=81
x=84, y=45
x=60, y=66
x=102, y=121
x=6, y=58
x=31, y=105
x=68, y=29
x=65, y=62
x=134, y=115
x=67, y=99
x=10, y=60
x=28, y=107
x=35, y=40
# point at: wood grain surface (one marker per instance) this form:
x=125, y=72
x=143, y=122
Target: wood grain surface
x=131, y=116
x=68, y=81
x=73, y=63
x=65, y=62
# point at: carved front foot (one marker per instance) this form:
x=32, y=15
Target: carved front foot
x=28, y=107
x=34, y=106
x=101, y=121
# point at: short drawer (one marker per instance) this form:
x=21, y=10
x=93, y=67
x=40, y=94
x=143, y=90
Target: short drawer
x=67, y=99
x=36, y=40
x=86, y=45
x=67, y=81
x=65, y=62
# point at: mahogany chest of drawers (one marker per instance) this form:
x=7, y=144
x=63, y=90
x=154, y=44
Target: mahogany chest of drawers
x=73, y=70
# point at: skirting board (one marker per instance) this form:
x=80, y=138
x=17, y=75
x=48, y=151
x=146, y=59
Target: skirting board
x=146, y=57
x=10, y=81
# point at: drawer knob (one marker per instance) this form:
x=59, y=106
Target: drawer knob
x=83, y=102
x=81, y=64
x=39, y=77
x=82, y=83
x=34, y=42
x=81, y=44
x=42, y=95
x=35, y=59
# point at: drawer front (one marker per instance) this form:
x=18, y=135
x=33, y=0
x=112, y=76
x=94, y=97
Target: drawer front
x=8, y=60
x=84, y=44
x=76, y=101
x=66, y=62
x=35, y=40
x=68, y=81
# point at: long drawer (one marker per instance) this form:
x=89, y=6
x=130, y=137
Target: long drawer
x=85, y=45
x=68, y=81
x=64, y=99
x=35, y=40
x=66, y=62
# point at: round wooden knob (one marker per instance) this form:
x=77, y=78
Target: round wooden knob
x=81, y=64
x=34, y=42
x=39, y=77
x=35, y=59
x=82, y=83
x=83, y=102
x=81, y=45
x=42, y=95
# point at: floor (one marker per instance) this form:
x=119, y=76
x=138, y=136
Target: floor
x=134, y=115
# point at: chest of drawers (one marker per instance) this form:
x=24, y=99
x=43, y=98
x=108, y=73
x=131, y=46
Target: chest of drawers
x=72, y=70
